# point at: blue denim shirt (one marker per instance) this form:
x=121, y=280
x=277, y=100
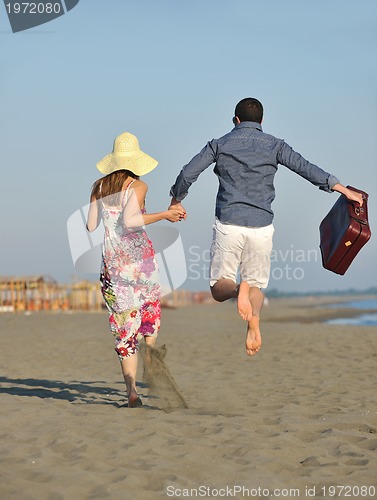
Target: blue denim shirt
x=246, y=160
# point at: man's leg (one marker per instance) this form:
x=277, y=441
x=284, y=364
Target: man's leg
x=245, y=309
x=224, y=289
x=225, y=258
x=253, y=336
x=255, y=270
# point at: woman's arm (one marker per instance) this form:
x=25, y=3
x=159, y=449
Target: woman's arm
x=132, y=215
x=170, y=215
x=94, y=215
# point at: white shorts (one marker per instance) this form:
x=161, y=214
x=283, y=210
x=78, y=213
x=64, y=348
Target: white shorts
x=246, y=248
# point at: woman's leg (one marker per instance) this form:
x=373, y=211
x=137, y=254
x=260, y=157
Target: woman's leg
x=129, y=368
x=151, y=341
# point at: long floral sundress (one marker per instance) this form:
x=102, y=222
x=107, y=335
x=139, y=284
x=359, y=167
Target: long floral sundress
x=129, y=281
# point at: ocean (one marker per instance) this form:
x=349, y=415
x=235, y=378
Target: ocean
x=369, y=319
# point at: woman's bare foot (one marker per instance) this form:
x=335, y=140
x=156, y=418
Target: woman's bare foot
x=133, y=400
x=243, y=301
x=253, y=337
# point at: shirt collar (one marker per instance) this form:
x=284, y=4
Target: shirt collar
x=256, y=125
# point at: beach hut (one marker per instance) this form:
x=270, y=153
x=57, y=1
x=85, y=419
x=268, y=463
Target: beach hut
x=31, y=293
x=85, y=296
x=177, y=298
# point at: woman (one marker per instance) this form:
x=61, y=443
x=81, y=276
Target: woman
x=129, y=275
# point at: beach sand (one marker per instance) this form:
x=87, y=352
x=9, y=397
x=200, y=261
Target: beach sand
x=301, y=414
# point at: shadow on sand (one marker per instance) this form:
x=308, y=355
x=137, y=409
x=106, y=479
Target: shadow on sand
x=162, y=393
x=89, y=392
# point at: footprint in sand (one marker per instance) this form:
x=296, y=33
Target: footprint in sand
x=307, y=436
x=310, y=462
x=355, y=427
x=36, y=477
x=100, y=491
x=272, y=421
x=367, y=428
x=356, y=461
x=369, y=444
x=353, y=454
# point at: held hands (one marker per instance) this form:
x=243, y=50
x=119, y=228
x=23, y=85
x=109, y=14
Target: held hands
x=174, y=215
x=176, y=205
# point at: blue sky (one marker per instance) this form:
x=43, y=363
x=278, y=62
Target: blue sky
x=171, y=72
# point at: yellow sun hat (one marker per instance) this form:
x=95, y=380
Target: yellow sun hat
x=127, y=155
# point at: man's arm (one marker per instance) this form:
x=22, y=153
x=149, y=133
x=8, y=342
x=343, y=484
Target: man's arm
x=295, y=162
x=325, y=181
x=191, y=172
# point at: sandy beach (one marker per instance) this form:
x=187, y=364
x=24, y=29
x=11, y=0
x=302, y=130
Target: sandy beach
x=295, y=420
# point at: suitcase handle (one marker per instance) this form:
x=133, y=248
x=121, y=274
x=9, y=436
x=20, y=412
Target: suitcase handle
x=359, y=213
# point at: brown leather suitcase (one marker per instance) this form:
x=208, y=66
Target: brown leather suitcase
x=343, y=233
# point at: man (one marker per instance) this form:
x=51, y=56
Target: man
x=246, y=160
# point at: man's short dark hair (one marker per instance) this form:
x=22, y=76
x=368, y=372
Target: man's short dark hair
x=249, y=110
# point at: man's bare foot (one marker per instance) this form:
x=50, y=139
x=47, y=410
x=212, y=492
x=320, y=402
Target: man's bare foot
x=253, y=337
x=243, y=301
x=133, y=400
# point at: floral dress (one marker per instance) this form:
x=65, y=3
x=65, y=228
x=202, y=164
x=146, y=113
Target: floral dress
x=129, y=281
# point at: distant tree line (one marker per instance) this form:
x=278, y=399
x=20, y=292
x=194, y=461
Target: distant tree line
x=274, y=293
